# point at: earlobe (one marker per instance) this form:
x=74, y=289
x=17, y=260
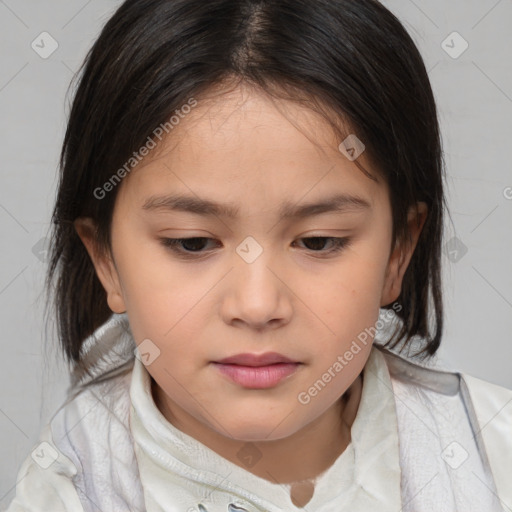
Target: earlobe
x=402, y=254
x=102, y=262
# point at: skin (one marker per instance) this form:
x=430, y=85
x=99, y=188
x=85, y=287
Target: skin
x=296, y=298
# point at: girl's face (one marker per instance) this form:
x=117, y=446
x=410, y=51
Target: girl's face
x=256, y=281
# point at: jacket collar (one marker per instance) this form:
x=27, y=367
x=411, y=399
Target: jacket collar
x=174, y=465
x=110, y=349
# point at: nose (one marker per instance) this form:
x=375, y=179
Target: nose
x=257, y=295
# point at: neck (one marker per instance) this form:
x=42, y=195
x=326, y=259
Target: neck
x=321, y=442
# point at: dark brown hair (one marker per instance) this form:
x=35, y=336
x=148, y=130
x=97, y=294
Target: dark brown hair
x=350, y=59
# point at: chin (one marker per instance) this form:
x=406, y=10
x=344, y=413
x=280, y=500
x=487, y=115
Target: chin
x=259, y=431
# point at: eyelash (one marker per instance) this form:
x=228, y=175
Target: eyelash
x=172, y=243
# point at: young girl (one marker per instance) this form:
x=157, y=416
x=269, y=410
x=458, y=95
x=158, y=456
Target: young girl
x=249, y=217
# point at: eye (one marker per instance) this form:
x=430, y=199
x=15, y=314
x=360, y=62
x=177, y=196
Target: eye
x=193, y=247
x=186, y=245
x=317, y=243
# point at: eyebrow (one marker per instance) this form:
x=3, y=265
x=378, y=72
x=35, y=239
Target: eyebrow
x=337, y=203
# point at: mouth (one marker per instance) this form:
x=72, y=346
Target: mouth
x=266, y=359
x=255, y=371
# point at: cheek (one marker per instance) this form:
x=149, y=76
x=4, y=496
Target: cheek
x=355, y=284
x=348, y=299
x=163, y=297
x=148, y=287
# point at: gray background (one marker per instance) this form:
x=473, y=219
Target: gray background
x=474, y=94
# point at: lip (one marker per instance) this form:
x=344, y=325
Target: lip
x=257, y=371
x=257, y=377
x=247, y=359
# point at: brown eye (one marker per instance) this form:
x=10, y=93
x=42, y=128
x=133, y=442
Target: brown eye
x=318, y=243
x=183, y=246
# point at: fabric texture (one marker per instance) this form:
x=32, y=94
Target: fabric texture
x=419, y=443
x=175, y=468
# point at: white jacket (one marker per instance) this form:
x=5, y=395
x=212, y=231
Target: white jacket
x=423, y=440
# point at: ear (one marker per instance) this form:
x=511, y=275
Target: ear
x=103, y=264
x=402, y=254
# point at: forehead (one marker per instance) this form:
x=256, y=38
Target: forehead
x=245, y=120
x=243, y=146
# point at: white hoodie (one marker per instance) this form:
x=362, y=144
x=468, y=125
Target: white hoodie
x=423, y=440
